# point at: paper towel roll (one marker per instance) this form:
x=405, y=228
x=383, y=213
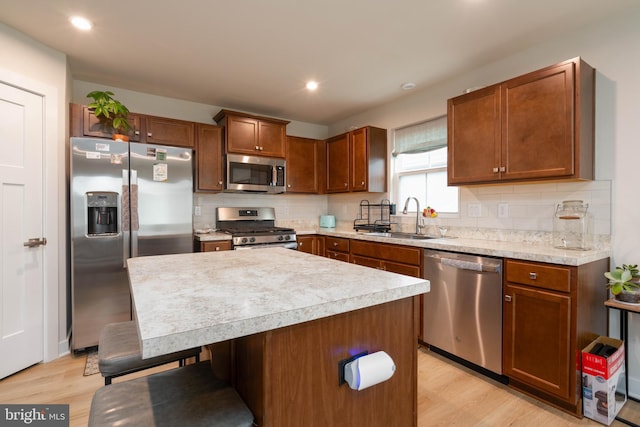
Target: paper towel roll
x=369, y=370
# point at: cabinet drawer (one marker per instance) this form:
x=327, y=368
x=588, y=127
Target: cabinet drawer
x=215, y=246
x=544, y=276
x=387, y=252
x=340, y=256
x=337, y=244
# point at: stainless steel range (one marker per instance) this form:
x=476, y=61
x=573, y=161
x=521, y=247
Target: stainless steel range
x=254, y=228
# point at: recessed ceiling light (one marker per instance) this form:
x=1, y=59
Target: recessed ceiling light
x=408, y=86
x=311, y=85
x=81, y=23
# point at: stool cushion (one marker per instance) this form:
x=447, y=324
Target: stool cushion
x=119, y=351
x=189, y=396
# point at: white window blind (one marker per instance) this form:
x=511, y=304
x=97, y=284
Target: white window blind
x=422, y=137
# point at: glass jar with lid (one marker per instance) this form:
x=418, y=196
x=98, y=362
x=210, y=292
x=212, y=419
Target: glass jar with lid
x=572, y=225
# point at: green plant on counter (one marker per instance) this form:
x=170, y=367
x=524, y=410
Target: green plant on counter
x=111, y=109
x=622, y=279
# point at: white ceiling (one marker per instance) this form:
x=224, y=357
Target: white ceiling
x=255, y=55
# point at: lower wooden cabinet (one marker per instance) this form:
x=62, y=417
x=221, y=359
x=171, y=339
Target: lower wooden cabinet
x=551, y=312
x=337, y=248
x=311, y=244
x=389, y=257
x=219, y=245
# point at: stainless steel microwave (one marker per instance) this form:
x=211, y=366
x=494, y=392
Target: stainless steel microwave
x=255, y=173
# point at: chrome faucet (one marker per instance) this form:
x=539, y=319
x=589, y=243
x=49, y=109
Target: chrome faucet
x=404, y=211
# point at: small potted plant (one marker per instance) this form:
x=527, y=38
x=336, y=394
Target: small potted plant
x=624, y=283
x=104, y=105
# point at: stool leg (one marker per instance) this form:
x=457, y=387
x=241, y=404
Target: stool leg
x=107, y=380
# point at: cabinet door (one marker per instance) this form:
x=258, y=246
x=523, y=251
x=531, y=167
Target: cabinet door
x=538, y=124
x=307, y=244
x=101, y=128
x=536, y=338
x=367, y=262
x=473, y=137
x=338, y=154
x=164, y=131
x=302, y=165
x=242, y=135
x=271, y=139
x=359, y=159
x=209, y=168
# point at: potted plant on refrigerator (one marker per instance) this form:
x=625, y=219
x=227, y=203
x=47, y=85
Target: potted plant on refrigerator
x=624, y=283
x=113, y=111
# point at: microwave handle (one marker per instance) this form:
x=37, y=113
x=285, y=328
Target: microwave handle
x=274, y=175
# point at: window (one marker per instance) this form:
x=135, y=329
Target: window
x=420, y=166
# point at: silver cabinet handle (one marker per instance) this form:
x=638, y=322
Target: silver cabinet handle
x=533, y=276
x=502, y=169
x=32, y=243
x=495, y=170
x=136, y=132
x=149, y=134
x=507, y=298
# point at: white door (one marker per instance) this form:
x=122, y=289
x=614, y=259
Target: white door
x=21, y=219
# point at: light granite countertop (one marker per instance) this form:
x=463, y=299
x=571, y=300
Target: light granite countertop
x=517, y=250
x=187, y=300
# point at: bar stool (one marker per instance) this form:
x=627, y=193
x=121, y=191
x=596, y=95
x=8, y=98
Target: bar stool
x=191, y=396
x=119, y=352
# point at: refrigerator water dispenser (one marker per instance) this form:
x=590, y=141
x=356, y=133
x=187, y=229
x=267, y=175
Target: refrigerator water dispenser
x=102, y=213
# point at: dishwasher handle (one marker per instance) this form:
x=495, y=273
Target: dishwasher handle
x=483, y=265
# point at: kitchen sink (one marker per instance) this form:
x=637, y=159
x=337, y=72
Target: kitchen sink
x=400, y=235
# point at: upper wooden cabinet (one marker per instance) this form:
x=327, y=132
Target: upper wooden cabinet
x=84, y=123
x=164, y=131
x=209, y=168
x=305, y=160
x=538, y=126
x=357, y=161
x=144, y=128
x=253, y=135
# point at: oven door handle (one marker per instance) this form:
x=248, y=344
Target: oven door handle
x=288, y=245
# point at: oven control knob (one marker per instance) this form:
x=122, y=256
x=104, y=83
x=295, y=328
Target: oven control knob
x=280, y=237
x=287, y=238
x=244, y=240
x=252, y=239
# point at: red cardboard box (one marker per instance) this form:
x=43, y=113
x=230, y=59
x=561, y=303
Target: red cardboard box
x=603, y=381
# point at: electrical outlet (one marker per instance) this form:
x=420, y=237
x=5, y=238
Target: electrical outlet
x=474, y=210
x=197, y=211
x=503, y=210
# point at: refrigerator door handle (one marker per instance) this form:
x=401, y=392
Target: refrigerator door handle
x=125, y=217
x=135, y=221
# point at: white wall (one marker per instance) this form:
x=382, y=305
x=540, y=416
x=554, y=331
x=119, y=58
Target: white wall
x=32, y=66
x=612, y=48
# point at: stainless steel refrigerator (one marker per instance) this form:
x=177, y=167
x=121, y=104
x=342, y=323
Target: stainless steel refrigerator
x=126, y=200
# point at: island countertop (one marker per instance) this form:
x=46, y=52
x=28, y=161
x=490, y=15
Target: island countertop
x=187, y=300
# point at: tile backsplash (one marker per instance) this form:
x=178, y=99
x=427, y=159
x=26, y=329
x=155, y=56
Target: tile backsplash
x=526, y=210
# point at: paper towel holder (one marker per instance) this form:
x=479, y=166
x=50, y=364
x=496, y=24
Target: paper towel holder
x=343, y=363
x=368, y=370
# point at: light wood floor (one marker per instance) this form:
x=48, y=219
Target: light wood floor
x=448, y=395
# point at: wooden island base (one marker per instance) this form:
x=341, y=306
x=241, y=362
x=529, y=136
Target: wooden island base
x=289, y=376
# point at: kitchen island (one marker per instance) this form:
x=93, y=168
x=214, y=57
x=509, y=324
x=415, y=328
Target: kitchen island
x=285, y=320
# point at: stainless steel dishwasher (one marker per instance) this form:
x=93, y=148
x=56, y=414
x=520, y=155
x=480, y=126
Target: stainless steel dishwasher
x=463, y=310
